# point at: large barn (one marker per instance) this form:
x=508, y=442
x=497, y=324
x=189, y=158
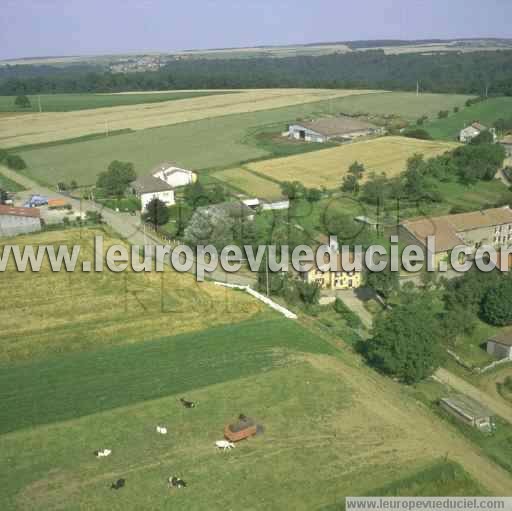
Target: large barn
x=337, y=128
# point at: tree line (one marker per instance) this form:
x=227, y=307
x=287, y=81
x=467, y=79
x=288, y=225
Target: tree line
x=478, y=73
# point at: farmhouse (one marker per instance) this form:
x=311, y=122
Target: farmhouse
x=506, y=142
x=173, y=175
x=500, y=345
x=161, y=183
x=147, y=188
x=14, y=221
x=326, y=278
x=473, y=130
x=338, y=128
x=469, y=411
x=491, y=227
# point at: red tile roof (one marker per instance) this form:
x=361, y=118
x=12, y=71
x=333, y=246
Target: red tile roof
x=27, y=212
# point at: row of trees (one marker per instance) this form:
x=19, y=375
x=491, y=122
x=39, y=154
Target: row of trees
x=470, y=73
x=12, y=161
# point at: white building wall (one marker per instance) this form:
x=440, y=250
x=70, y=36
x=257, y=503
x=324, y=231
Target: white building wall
x=11, y=225
x=500, y=351
x=166, y=197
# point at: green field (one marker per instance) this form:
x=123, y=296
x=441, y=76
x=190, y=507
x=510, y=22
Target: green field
x=9, y=185
x=486, y=112
x=71, y=102
x=406, y=105
x=219, y=142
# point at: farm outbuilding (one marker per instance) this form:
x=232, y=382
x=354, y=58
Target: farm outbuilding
x=500, y=345
x=468, y=411
x=506, y=142
x=341, y=128
x=14, y=221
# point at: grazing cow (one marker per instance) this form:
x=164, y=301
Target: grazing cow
x=103, y=453
x=118, y=484
x=187, y=404
x=176, y=482
x=224, y=445
x=162, y=430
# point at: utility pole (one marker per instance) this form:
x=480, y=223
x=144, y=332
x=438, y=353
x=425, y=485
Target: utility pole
x=417, y=88
x=266, y=270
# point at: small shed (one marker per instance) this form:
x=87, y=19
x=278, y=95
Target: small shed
x=500, y=345
x=244, y=428
x=468, y=411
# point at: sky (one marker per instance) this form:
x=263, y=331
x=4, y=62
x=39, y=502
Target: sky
x=30, y=28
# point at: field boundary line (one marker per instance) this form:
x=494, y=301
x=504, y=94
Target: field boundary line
x=279, y=308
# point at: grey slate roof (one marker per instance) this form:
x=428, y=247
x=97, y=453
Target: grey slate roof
x=150, y=184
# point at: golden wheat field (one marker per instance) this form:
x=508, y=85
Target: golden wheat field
x=250, y=183
x=44, y=127
x=45, y=312
x=328, y=166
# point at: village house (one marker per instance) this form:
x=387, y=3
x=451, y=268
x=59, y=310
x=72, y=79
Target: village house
x=337, y=128
x=327, y=278
x=14, y=221
x=492, y=227
x=469, y=412
x=473, y=130
x=500, y=345
x=161, y=184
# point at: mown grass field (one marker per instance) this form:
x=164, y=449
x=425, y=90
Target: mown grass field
x=332, y=428
x=249, y=183
x=406, y=105
x=49, y=127
x=46, y=313
x=486, y=112
x=72, y=102
x=327, y=167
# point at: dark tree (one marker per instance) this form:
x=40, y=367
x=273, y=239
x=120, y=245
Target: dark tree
x=157, y=213
x=115, y=180
x=15, y=162
x=383, y=282
x=22, y=102
x=496, y=308
x=405, y=341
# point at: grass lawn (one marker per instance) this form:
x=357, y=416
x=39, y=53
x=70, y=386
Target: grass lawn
x=327, y=167
x=46, y=313
x=71, y=102
x=487, y=112
x=9, y=185
x=472, y=348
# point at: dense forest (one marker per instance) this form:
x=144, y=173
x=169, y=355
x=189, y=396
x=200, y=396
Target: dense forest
x=470, y=73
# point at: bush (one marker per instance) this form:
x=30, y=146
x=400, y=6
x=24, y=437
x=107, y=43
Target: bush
x=418, y=133
x=443, y=114
x=15, y=162
x=496, y=308
x=422, y=120
x=350, y=317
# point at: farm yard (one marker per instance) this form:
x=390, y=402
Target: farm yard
x=39, y=128
x=78, y=311
x=327, y=167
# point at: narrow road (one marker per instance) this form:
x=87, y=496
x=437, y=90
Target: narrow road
x=499, y=407
x=128, y=226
